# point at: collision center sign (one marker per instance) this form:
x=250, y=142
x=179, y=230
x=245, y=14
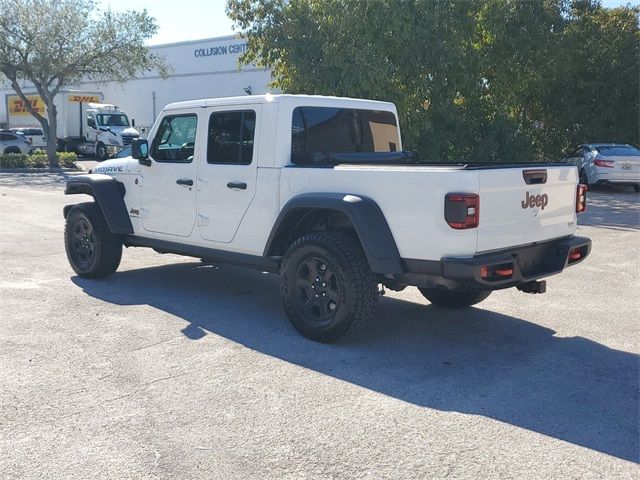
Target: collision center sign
x=17, y=106
x=218, y=50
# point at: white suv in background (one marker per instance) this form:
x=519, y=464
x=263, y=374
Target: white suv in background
x=608, y=163
x=14, y=143
x=34, y=136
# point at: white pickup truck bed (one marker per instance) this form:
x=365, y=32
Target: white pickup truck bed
x=412, y=200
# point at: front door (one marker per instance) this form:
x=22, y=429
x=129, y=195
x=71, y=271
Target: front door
x=168, y=191
x=228, y=171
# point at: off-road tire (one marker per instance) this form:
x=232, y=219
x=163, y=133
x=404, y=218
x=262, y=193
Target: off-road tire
x=351, y=282
x=100, y=257
x=583, y=178
x=454, y=298
x=101, y=151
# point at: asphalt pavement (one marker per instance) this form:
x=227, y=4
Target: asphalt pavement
x=176, y=369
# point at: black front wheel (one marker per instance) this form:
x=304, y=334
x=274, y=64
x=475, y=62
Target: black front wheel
x=327, y=287
x=454, y=298
x=101, y=151
x=93, y=251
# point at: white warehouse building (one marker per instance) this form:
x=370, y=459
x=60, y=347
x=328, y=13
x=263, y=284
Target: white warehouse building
x=201, y=69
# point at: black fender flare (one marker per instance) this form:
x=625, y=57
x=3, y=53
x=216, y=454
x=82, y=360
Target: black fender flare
x=365, y=215
x=108, y=193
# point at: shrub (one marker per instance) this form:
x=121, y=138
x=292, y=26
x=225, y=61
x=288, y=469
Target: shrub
x=36, y=160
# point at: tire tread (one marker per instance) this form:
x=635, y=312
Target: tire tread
x=351, y=258
x=110, y=244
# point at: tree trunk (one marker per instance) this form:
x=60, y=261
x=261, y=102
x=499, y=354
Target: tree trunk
x=52, y=136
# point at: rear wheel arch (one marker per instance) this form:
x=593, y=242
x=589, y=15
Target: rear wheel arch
x=356, y=214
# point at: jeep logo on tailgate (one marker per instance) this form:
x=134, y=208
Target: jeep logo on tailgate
x=530, y=201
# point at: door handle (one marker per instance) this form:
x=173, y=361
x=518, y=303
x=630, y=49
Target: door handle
x=237, y=185
x=184, y=181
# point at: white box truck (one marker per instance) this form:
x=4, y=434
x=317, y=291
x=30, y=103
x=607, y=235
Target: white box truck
x=86, y=125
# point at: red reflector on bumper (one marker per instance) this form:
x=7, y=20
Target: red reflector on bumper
x=504, y=272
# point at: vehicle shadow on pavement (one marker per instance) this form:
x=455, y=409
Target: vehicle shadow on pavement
x=473, y=361
x=615, y=210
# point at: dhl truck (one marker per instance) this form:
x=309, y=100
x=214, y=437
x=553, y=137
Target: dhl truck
x=86, y=125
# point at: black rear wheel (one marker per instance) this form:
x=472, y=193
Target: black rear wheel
x=93, y=251
x=584, y=180
x=327, y=287
x=454, y=298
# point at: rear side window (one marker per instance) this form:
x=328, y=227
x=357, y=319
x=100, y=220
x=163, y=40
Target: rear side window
x=618, y=151
x=7, y=137
x=175, y=139
x=231, y=137
x=342, y=130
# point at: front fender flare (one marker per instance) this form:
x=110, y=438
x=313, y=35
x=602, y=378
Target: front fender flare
x=108, y=193
x=365, y=215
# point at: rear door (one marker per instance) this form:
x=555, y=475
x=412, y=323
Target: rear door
x=228, y=170
x=519, y=206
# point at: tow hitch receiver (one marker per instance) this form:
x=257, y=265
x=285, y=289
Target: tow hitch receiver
x=536, y=286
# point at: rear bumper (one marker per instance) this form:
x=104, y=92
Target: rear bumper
x=627, y=178
x=490, y=271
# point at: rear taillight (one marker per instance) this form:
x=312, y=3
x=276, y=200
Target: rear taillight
x=462, y=210
x=603, y=163
x=581, y=198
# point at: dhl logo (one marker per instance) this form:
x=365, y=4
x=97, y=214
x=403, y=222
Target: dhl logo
x=17, y=106
x=84, y=98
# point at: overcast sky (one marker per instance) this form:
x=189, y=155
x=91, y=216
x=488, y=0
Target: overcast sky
x=196, y=19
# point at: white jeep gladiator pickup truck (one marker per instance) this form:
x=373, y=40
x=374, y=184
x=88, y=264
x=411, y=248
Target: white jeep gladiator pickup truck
x=319, y=190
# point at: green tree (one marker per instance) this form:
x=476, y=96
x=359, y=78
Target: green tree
x=478, y=80
x=50, y=44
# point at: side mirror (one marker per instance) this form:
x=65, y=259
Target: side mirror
x=133, y=122
x=140, y=151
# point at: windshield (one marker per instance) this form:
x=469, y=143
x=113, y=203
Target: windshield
x=113, y=120
x=618, y=151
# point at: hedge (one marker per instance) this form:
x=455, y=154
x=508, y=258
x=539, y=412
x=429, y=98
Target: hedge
x=36, y=160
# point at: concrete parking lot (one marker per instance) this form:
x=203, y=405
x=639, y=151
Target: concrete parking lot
x=176, y=369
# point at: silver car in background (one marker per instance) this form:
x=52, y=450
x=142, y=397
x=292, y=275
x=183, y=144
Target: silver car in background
x=13, y=143
x=608, y=163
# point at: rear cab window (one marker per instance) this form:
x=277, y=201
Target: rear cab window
x=342, y=130
x=618, y=151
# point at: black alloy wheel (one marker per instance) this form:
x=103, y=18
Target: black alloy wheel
x=317, y=291
x=328, y=289
x=83, y=244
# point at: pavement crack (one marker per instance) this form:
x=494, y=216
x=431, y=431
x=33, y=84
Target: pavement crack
x=155, y=344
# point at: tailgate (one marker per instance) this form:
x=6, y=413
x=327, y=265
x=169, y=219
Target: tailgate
x=519, y=206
